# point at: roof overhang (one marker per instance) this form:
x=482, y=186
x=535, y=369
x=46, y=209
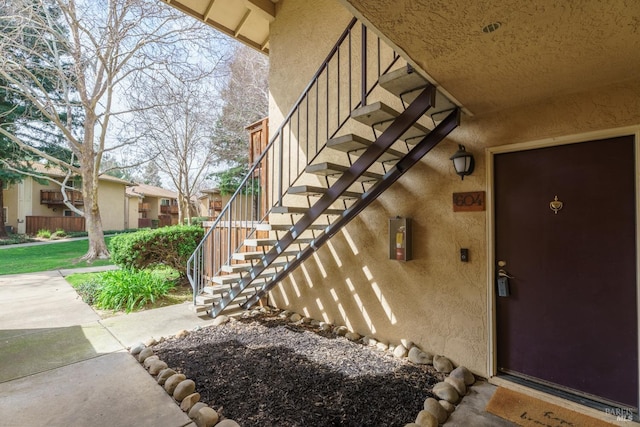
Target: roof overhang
x=245, y=20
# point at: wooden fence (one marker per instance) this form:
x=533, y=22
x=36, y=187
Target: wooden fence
x=53, y=223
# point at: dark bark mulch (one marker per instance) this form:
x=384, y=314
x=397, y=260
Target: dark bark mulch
x=264, y=371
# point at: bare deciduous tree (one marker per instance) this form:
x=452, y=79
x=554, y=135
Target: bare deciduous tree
x=107, y=46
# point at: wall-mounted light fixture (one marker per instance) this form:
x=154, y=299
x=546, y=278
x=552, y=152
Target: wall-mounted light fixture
x=463, y=162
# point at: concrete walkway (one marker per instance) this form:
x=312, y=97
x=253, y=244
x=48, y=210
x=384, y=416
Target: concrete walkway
x=61, y=365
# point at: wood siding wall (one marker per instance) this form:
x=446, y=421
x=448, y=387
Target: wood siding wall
x=53, y=223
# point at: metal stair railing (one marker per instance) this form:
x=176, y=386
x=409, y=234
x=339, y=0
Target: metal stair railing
x=342, y=83
x=417, y=152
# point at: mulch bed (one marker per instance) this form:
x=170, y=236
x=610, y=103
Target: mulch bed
x=265, y=371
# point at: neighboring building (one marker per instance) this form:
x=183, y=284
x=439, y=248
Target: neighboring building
x=528, y=268
x=32, y=205
x=156, y=206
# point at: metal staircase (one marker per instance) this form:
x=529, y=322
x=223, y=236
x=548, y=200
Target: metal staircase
x=318, y=171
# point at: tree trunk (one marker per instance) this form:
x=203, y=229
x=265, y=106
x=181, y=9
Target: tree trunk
x=3, y=231
x=97, y=246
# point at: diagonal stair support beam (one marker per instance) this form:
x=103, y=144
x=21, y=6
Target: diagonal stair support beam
x=418, y=152
x=401, y=124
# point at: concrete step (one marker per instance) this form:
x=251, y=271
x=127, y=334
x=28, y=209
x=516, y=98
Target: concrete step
x=205, y=299
x=239, y=268
x=380, y=116
x=355, y=144
x=287, y=227
x=302, y=210
x=309, y=190
x=407, y=84
x=229, y=279
x=332, y=169
x=248, y=256
x=254, y=243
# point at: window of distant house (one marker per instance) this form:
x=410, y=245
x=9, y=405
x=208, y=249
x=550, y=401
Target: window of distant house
x=164, y=202
x=5, y=215
x=69, y=213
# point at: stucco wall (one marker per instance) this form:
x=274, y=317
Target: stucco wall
x=434, y=300
x=111, y=200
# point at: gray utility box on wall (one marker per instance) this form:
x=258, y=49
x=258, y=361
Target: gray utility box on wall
x=400, y=239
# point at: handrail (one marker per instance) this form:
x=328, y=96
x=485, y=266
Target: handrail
x=307, y=127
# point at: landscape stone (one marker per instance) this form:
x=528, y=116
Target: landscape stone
x=446, y=391
x=184, y=389
x=149, y=360
x=382, y=346
x=324, y=326
x=412, y=425
x=341, y=330
x=137, y=349
x=188, y=402
x=151, y=342
x=433, y=406
x=464, y=374
x=147, y=352
x=306, y=320
x=448, y=406
x=227, y=423
x=442, y=364
x=371, y=342
x=406, y=343
x=458, y=384
x=295, y=317
x=284, y=314
x=426, y=419
x=181, y=334
x=172, y=382
x=420, y=357
x=195, y=408
x=400, y=351
x=206, y=417
x=157, y=366
x=164, y=374
x=352, y=336
x=315, y=322
x=220, y=320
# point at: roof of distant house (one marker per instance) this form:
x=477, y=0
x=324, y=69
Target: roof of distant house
x=56, y=172
x=139, y=189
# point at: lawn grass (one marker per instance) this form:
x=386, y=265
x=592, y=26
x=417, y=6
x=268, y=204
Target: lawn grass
x=53, y=256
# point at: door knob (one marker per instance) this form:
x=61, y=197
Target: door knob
x=502, y=264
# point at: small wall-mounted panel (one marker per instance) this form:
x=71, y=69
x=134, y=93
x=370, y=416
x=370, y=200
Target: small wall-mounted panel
x=400, y=240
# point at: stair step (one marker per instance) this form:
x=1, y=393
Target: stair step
x=238, y=268
x=302, y=210
x=215, y=290
x=248, y=256
x=380, y=116
x=409, y=84
x=330, y=169
x=205, y=299
x=356, y=144
x=229, y=279
x=287, y=227
x=309, y=190
x=200, y=308
x=272, y=242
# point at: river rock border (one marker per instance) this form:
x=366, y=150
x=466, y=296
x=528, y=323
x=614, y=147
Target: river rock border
x=435, y=412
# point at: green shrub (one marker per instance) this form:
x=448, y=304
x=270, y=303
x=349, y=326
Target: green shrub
x=59, y=234
x=89, y=290
x=198, y=220
x=170, y=246
x=127, y=289
x=44, y=234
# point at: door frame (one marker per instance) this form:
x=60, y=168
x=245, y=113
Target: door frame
x=490, y=152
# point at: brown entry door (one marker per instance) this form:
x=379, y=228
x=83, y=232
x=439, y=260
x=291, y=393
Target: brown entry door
x=571, y=318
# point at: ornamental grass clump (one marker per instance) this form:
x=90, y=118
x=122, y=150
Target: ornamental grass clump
x=129, y=289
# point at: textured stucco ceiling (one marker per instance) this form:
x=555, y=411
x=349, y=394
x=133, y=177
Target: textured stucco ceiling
x=543, y=48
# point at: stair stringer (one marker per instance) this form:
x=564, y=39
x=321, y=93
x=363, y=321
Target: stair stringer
x=423, y=102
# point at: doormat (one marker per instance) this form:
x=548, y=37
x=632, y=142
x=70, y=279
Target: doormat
x=531, y=412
